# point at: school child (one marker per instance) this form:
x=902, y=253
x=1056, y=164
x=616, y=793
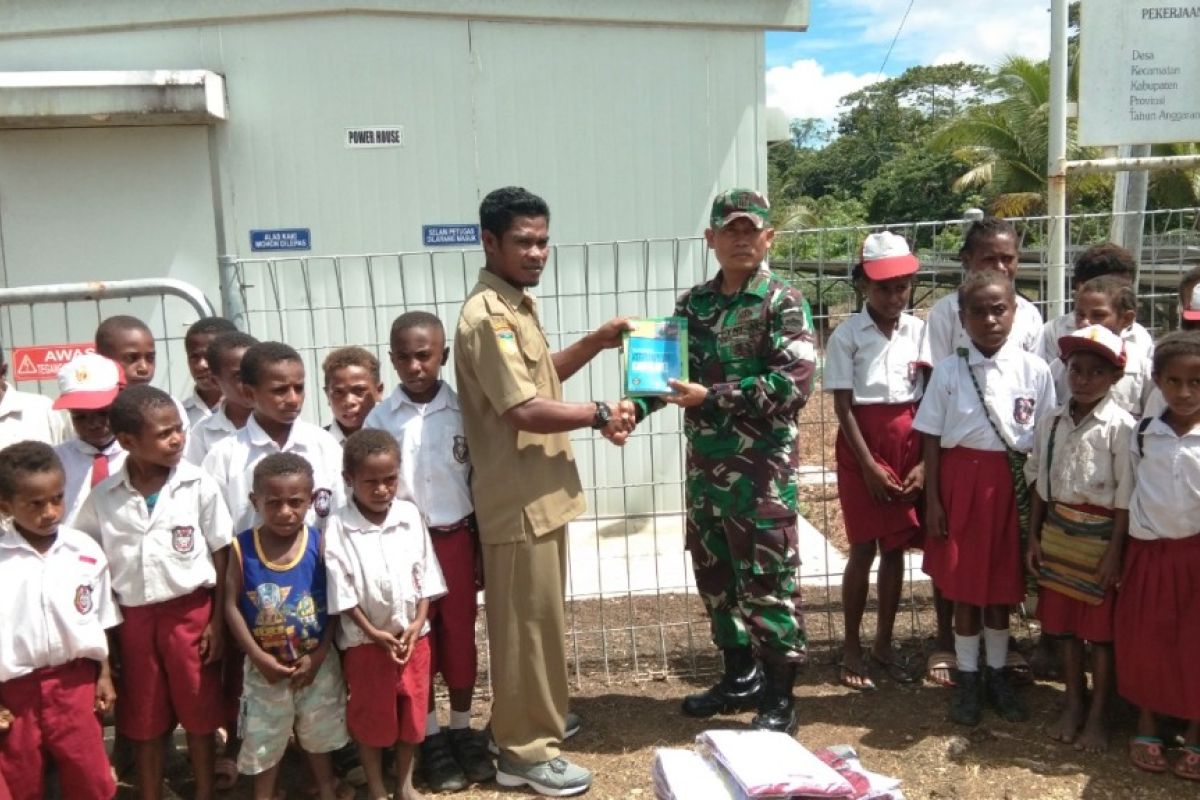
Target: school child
x=978, y=416
x=1102, y=259
x=165, y=529
x=989, y=244
x=87, y=386
x=382, y=575
x=275, y=604
x=424, y=416
x=352, y=387
x=875, y=368
x=1157, y=635
x=224, y=359
x=56, y=594
x=27, y=416
x=1109, y=302
x=128, y=341
x=206, y=392
x=1189, y=300
x=1080, y=470
x=272, y=380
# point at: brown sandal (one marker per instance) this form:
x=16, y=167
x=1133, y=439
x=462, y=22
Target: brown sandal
x=1188, y=766
x=1146, y=753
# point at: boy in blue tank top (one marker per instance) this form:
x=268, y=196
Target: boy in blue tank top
x=277, y=613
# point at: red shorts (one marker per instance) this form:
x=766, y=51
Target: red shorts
x=162, y=679
x=388, y=702
x=979, y=561
x=452, y=616
x=1157, y=626
x=888, y=432
x=54, y=716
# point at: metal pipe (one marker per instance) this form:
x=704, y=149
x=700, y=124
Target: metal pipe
x=1056, y=168
x=108, y=290
x=1134, y=164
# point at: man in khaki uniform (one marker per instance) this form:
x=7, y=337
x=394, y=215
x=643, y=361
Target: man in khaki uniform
x=525, y=484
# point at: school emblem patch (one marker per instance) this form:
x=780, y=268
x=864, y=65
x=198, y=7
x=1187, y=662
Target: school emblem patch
x=83, y=599
x=183, y=538
x=460, y=449
x=322, y=502
x=1023, y=410
x=505, y=337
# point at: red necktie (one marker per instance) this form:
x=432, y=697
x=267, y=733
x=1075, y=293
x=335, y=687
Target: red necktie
x=99, y=468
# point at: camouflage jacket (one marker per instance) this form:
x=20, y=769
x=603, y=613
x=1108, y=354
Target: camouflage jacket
x=754, y=350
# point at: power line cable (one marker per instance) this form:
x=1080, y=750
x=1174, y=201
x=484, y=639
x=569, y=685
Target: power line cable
x=895, y=38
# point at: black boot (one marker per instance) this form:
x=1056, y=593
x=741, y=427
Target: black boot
x=967, y=706
x=1002, y=697
x=777, y=709
x=738, y=690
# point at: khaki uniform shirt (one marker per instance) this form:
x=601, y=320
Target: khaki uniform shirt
x=522, y=482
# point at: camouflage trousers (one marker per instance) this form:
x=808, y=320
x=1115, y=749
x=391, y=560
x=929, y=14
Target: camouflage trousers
x=746, y=573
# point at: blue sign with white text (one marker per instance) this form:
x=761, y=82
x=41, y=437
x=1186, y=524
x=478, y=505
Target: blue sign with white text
x=443, y=235
x=281, y=239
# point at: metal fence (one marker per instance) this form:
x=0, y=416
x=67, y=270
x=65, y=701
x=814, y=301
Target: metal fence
x=632, y=606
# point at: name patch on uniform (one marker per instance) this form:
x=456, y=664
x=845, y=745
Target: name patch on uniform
x=322, y=502
x=505, y=335
x=460, y=449
x=183, y=538
x=87, y=559
x=83, y=599
x=1023, y=410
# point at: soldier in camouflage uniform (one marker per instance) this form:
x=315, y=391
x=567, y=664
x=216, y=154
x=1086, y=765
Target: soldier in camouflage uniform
x=750, y=351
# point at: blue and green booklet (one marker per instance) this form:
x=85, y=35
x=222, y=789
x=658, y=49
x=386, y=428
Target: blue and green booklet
x=656, y=350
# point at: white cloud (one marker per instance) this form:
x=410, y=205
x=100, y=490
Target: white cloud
x=805, y=90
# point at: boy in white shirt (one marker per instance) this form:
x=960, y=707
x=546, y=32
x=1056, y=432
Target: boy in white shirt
x=990, y=243
x=166, y=533
x=206, y=392
x=27, y=416
x=129, y=342
x=352, y=387
x=423, y=414
x=57, y=598
x=224, y=358
x=272, y=379
x=382, y=575
x=87, y=386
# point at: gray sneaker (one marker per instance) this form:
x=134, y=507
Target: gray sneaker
x=557, y=778
x=572, y=722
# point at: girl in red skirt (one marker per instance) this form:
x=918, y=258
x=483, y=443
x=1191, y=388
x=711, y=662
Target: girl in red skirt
x=1158, y=604
x=1080, y=515
x=979, y=412
x=875, y=368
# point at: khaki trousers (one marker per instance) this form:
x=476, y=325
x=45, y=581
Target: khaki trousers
x=526, y=624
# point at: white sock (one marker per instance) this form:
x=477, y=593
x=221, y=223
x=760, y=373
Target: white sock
x=431, y=724
x=995, y=646
x=459, y=720
x=966, y=652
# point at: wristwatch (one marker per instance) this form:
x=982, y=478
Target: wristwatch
x=603, y=415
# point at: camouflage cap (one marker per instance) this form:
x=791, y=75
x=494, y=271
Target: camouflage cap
x=734, y=203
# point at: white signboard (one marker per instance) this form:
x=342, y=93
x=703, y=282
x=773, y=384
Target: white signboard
x=1139, y=79
x=374, y=136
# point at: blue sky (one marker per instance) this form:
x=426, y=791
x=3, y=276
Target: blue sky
x=847, y=40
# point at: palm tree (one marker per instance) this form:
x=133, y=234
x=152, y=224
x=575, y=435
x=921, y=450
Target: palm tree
x=1005, y=143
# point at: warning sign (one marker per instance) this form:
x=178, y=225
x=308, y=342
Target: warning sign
x=42, y=363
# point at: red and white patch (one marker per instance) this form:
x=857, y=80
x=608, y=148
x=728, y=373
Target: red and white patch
x=183, y=538
x=322, y=502
x=1023, y=410
x=83, y=599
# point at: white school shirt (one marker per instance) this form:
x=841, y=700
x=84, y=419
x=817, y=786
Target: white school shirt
x=30, y=416
x=877, y=369
x=56, y=604
x=946, y=333
x=206, y=434
x=196, y=409
x=1166, y=495
x=164, y=554
x=1091, y=460
x=435, y=465
x=385, y=570
x=231, y=463
x=1132, y=391
x=77, y=458
x=1016, y=385
x=1065, y=324
x=335, y=430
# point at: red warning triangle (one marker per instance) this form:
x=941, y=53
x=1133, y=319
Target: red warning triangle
x=26, y=368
